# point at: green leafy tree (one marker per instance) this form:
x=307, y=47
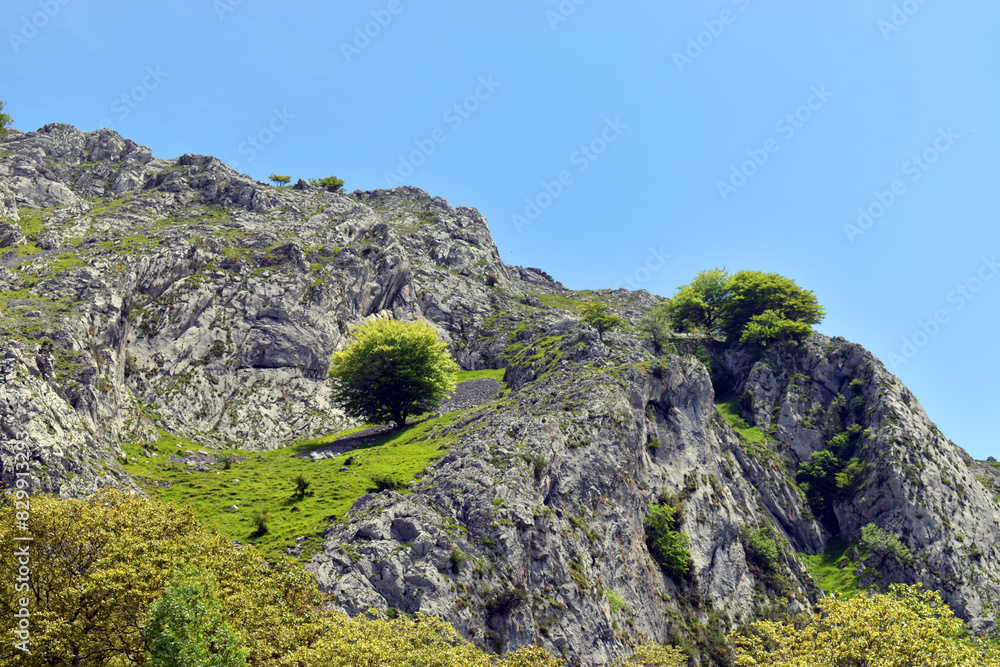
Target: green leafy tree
x=5, y=120
x=596, y=315
x=699, y=304
x=280, y=180
x=752, y=293
x=391, y=370
x=186, y=627
x=331, y=183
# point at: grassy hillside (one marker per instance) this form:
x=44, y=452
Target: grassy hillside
x=264, y=482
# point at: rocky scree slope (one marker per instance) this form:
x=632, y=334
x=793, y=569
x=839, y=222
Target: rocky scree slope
x=143, y=297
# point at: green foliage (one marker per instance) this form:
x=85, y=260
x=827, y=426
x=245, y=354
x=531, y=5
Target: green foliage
x=764, y=548
x=331, y=183
x=391, y=370
x=301, y=485
x=905, y=627
x=5, y=121
x=539, y=464
x=752, y=307
x=658, y=327
x=386, y=483
x=282, y=180
x=698, y=305
x=770, y=327
x=653, y=655
x=596, y=315
x=98, y=565
x=752, y=293
x=833, y=474
x=186, y=627
x=259, y=519
x=616, y=603
x=852, y=477
x=667, y=545
x=879, y=541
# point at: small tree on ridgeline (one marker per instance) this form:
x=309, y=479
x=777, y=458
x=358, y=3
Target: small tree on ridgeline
x=331, y=183
x=392, y=370
x=280, y=180
x=752, y=307
x=5, y=120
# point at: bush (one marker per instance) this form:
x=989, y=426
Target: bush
x=280, y=180
x=879, y=541
x=391, y=370
x=667, y=545
x=752, y=293
x=749, y=306
x=700, y=304
x=301, y=485
x=227, y=460
x=852, y=477
x=457, y=559
x=259, y=519
x=331, y=183
x=539, y=464
x=385, y=483
x=108, y=559
x=764, y=548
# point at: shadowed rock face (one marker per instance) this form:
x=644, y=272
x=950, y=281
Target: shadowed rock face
x=140, y=295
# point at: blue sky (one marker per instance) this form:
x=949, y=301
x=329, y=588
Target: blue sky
x=852, y=146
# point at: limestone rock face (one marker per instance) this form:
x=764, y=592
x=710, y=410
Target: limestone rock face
x=141, y=296
x=8, y=207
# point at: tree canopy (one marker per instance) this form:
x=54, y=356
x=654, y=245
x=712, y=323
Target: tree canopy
x=392, y=370
x=906, y=626
x=279, y=179
x=699, y=304
x=596, y=315
x=753, y=293
x=750, y=306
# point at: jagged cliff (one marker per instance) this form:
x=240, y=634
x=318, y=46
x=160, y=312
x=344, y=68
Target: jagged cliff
x=141, y=296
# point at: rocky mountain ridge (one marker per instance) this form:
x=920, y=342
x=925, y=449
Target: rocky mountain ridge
x=141, y=297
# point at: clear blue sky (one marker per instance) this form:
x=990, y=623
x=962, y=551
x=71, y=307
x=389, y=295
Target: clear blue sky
x=619, y=121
